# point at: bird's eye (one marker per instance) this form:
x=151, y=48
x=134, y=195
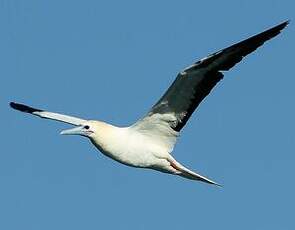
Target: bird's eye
x=86, y=127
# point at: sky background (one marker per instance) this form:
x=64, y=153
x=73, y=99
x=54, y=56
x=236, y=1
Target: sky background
x=112, y=60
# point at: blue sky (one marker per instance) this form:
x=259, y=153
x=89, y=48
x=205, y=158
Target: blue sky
x=111, y=60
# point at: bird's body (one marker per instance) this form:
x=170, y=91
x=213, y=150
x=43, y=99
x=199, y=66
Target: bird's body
x=135, y=147
x=149, y=142
x=125, y=145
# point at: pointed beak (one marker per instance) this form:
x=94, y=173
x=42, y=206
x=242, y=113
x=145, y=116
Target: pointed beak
x=74, y=131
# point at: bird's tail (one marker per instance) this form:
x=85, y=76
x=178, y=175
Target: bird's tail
x=195, y=176
x=186, y=173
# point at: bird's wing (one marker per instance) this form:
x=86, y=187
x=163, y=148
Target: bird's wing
x=168, y=116
x=47, y=115
x=195, y=82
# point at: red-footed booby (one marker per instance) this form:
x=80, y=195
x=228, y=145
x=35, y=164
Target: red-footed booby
x=149, y=142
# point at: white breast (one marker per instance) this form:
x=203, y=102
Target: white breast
x=129, y=146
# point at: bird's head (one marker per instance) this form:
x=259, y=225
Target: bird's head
x=87, y=129
x=98, y=132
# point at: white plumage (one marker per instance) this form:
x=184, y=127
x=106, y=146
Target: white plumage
x=150, y=141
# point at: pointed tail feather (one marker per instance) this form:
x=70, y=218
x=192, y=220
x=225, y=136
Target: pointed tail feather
x=195, y=176
x=186, y=173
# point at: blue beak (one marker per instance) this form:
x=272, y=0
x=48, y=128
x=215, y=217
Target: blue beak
x=74, y=131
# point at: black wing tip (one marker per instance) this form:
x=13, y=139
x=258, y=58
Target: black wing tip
x=283, y=24
x=287, y=22
x=277, y=29
x=23, y=108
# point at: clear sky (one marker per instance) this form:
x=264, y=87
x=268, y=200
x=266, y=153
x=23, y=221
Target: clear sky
x=111, y=60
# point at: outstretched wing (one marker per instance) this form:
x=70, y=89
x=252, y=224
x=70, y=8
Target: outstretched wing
x=168, y=116
x=47, y=115
x=195, y=82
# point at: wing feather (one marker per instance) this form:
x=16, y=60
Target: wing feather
x=194, y=83
x=46, y=114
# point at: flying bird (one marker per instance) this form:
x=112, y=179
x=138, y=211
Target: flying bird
x=149, y=142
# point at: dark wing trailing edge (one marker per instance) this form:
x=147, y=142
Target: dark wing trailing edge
x=194, y=83
x=48, y=115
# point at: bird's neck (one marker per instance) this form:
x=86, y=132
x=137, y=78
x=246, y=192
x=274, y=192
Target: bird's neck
x=108, y=137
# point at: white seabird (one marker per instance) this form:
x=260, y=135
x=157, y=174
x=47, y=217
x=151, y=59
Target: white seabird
x=149, y=142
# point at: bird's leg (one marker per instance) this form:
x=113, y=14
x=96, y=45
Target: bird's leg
x=174, y=165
